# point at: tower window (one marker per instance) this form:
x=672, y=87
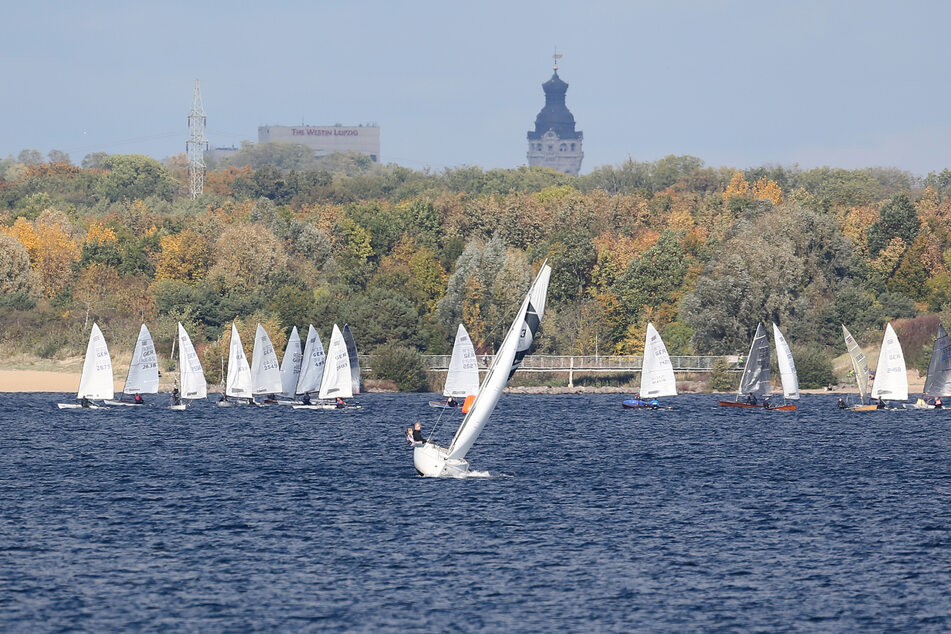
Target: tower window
x=563, y=147
x=572, y=147
x=551, y=148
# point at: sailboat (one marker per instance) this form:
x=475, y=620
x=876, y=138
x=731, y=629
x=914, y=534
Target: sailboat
x=354, y=359
x=143, y=377
x=859, y=369
x=290, y=367
x=938, y=382
x=657, y=373
x=336, y=382
x=191, y=375
x=891, y=378
x=755, y=380
x=787, y=372
x=312, y=368
x=430, y=459
x=96, y=381
x=265, y=369
x=462, y=379
x=238, y=383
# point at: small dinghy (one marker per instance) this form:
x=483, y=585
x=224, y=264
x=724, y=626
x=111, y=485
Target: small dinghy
x=143, y=377
x=96, y=382
x=191, y=374
x=462, y=379
x=657, y=374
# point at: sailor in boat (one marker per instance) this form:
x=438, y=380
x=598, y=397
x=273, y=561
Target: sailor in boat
x=305, y=399
x=655, y=404
x=84, y=402
x=176, y=397
x=880, y=404
x=452, y=402
x=767, y=404
x=409, y=437
x=341, y=403
x=418, y=434
x=841, y=403
x=751, y=399
x=937, y=402
x=137, y=399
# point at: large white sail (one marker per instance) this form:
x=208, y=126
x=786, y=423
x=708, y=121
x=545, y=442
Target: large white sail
x=312, y=365
x=354, y=359
x=143, y=371
x=657, y=373
x=514, y=347
x=239, y=372
x=891, y=379
x=787, y=367
x=290, y=364
x=462, y=379
x=938, y=382
x=192, y=376
x=265, y=369
x=755, y=378
x=337, y=381
x=859, y=363
x=96, y=381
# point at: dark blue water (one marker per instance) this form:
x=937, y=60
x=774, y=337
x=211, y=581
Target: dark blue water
x=596, y=518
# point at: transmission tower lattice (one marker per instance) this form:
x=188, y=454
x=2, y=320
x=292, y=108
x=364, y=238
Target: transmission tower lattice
x=196, y=145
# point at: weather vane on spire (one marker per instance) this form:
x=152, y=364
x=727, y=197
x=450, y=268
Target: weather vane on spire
x=556, y=57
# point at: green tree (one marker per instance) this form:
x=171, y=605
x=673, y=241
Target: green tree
x=133, y=176
x=898, y=218
x=401, y=364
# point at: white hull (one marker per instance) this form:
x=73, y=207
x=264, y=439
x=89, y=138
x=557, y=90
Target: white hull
x=430, y=461
x=328, y=406
x=178, y=408
x=77, y=406
x=124, y=403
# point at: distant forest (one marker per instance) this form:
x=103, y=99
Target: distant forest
x=281, y=238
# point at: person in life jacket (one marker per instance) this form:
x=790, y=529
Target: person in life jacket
x=137, y=399
x=409, y=437
x=937, y=402
x=340, y=403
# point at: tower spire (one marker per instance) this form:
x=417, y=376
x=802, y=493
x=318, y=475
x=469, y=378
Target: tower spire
x=557, y=56
x=196, y=145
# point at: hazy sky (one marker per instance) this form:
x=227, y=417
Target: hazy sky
x=739, y=83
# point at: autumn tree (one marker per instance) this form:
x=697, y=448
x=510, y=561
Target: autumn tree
x=185, y=256
x=15, y=274
x=248, y=256
x=898, y=219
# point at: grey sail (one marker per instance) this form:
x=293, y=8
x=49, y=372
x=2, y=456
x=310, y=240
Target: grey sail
x=938, y=382
x=756, y=373
x=354, y=360
x=859, y=364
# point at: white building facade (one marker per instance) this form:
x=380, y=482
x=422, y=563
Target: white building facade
x=325, y=140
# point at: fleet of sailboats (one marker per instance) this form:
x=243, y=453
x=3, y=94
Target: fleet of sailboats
x=755, y=387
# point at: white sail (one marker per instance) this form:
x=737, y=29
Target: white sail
x=290, y=364
x=336, y=381
x=657, y=373
x=96, y=381
x=239, y=372
x=755, y=379
x=354, y=359
x=265, y=369
x=143, y=371
x=463, y=376
x=514, y=347
x=312, y=365
x=787, y=367
x=891, y=379
x=192, y=376
x=859, y=363
x=938, y=382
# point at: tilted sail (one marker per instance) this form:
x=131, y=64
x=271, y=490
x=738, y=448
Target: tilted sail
x=463, y=376
x=96, y=381
x=290, y=364
x=192, y=376
x=513, y=349
x=354, y=359
x=859, y=363
x=756, y=373
x=239, y=372
x=657, y=373
x=787, y=367
x=265, y=369
x=337, y=381
x=143, y=371
x=312, y=365
x=891, y=378
x=938, y=382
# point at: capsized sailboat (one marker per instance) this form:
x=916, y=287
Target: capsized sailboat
x=787, y=372
x=191, y=375
x=265, y=369
x=754, y=384
x=938, y=382
x=432, y=460
x=462, y=379
x=143, y=377
x=657, y=373
x=891, y=378
x=238, y=383
x=96, y=382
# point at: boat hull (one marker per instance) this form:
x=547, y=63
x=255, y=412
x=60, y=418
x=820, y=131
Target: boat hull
x=782, y=408
x=430, y=461
x=77, y=406
x=124, y=403
x=738, y=404
x=178, y=408
x=443, y=405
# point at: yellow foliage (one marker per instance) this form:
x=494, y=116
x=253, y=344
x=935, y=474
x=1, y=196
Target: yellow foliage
x=100, y=234
x=51, y=249
x=645, y=240
x=23, y=231
x=888, y=259
x=737, y=187
x=767, y=190
x=854, y=225
x=681, y=219
x=185, y=257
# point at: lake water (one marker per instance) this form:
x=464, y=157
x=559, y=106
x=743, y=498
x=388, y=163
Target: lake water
x=593, y=518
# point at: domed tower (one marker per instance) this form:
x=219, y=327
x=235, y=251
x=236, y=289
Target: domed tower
x=554, y=142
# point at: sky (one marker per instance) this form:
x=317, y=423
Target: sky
x=736, y=83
